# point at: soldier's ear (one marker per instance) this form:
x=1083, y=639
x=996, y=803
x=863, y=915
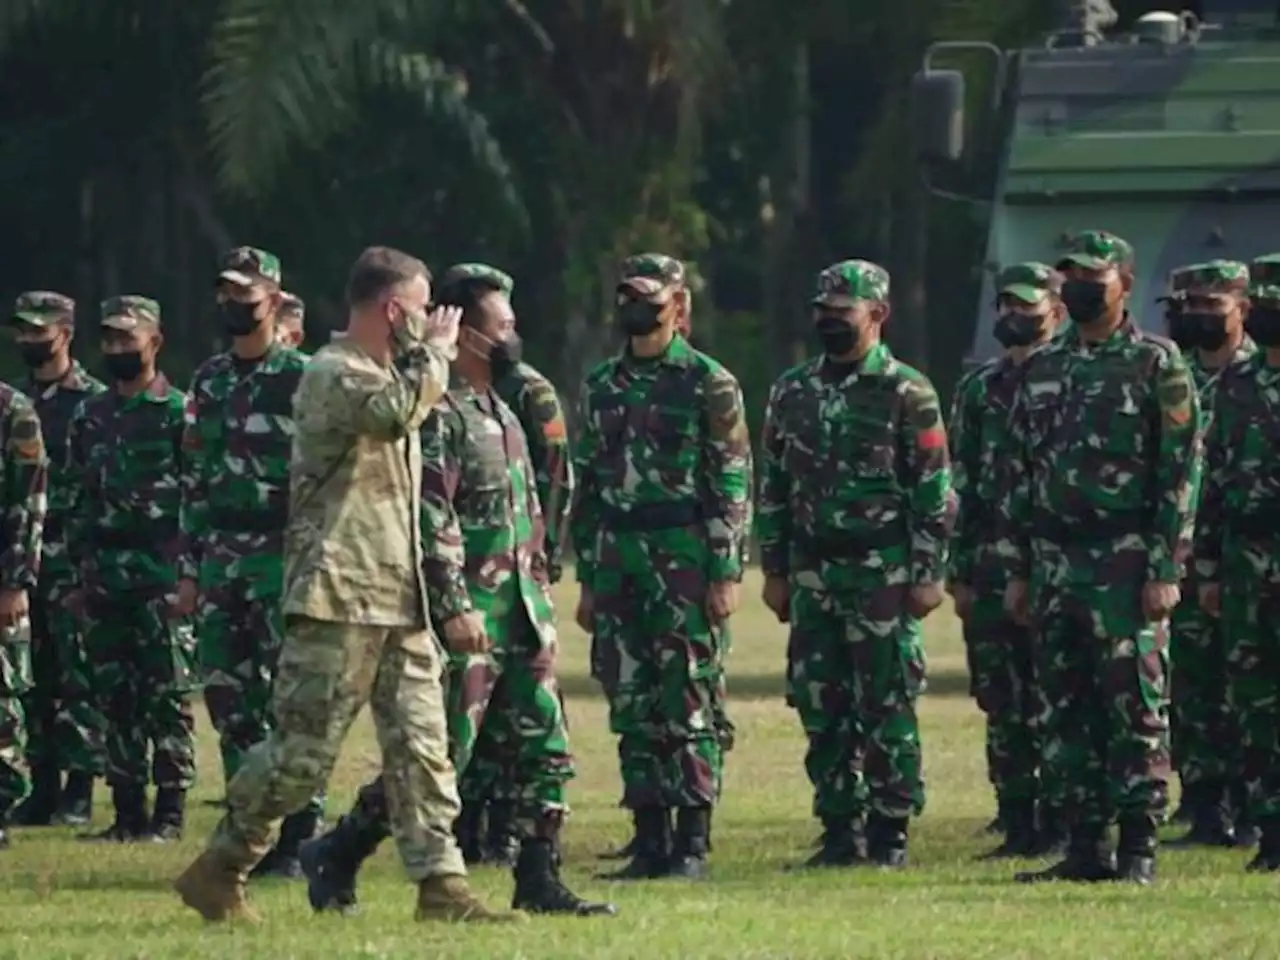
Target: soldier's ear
x=1126, y=281
x=881, y=311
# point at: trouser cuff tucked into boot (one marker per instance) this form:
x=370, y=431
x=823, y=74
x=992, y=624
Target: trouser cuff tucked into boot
x=331, y=862
x=652, y=857
x=131, y=822
x=502, y=838
x=169, y=816
x=691, y=843
x=539, y=887
x=1136, y=855
x=1088, y=859
x=76, y=808
x=282, y=860
x=1020, y=840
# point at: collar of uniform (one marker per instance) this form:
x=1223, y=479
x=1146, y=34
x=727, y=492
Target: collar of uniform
x=157, y=391
x=875, y=362
x=1126, y=332
x=678, y=354
x=76, y=378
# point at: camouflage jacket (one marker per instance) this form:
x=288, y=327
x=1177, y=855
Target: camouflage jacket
x=235, y=488
x=1104, y=459
x=483, y=531
x=124, y=460
x=534, y=400
x=23, y=489
x=56, y=401
x=353, y=547
x=662, y=439
x=855, y=485
x=979, y=440
x=1239, y=523
x=1204, y=376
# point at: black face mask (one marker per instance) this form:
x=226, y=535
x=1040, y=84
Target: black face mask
x=238, y=319
x=839, y=337
x=36, y=353
x=1015, y=329
x=1263, y=325
x=1181, y=331
x=639, y=318
x=1208, y=330
x=1086, y=300
x=504, y=355
x=123, y=367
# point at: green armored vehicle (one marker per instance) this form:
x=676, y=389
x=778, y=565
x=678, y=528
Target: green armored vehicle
x=1168, y=135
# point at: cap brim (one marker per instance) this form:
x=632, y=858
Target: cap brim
x=126, y=323
x=1025, y=292
x=238, y=278
x=834, y=300
x=33, y=318
x=655, y=291
x=1265, y=292
x=1086, y=260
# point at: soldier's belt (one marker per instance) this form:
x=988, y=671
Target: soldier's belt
x=271, y=519
x=1091, y=530
x=149, y=539
x=850, y=545
x=652, y=516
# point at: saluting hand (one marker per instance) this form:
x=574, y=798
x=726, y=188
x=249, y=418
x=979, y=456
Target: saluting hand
x=441, y=326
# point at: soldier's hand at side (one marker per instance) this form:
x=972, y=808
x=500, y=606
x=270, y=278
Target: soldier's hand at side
x=13, y=607
x=962, y=596
x=923, y=599
x=1015, y=602
x=777, y=597
x=465, y=633
x=723, y=598
x=1211, y=599
x=184, y=601
x=441, y=328
x=585, y=615
x=1159, y=599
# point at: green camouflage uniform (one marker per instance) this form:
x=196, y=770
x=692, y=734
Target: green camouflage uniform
x=1204, y=738
x=1102, y=475
x=23, y=479
x=1001, y=674
x=124, y=455
x=1238, y=547
x=65, y=722
x=661, y=510
x=855, y=510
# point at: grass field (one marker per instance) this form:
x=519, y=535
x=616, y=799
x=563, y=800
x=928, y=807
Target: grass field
x=59, y=898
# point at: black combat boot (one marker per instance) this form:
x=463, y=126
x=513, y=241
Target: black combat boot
x=1051, y=832
x=469, y=831
x=1088, y=860
x=502, y=838
x=1247, y=832
x=38, y=809
x=331, y=862
x=652, y=857
x=539, y=887
x=1211, y=820
x=1020, y=839
x=76, y=808
x=887, y=841
x=169, y=815
x=689, y=848
x=131, y=823
x=1268, y=858
x=843, y=844
x=1136, y=853
x=281, y=861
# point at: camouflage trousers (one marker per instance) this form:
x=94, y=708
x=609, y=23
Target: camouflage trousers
x=65, y=727
x=1102, y=670
x=15, y=682
x=660, y=662
x=854, y=673
x=144, y=676
x=1205, y=739
x=491, y=774
x=326, y=674
x=1251, y=626
x=1002, y=681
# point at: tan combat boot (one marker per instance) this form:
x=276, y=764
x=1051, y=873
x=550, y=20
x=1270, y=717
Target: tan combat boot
x=215, y=891
x=451, y=898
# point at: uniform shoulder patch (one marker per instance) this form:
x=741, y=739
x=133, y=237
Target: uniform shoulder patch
x=725, y=415
x=26, y=443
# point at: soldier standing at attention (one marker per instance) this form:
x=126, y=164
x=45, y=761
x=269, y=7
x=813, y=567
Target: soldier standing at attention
x=124, y=458
x=1212, y=300
x=1238, y=549
x=65, y=724
x=855, y=513
x=290, y=320
x=357, y=627
x=999, y=650
x=662, y=508
x=1095, y=532
x=23, y=478
x=486, y=577
x=235, y=507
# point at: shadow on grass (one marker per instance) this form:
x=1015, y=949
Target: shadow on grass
x=764, y=686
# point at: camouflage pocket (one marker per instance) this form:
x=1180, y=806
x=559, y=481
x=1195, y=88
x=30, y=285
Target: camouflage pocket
x=15, y=661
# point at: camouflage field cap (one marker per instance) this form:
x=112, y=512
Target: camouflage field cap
x=130, y=312
x=1264, y=277
x=1215, y=276
x=654, y=276
x=292, y=305
x=1030, y=282
x=43, y=307
x=245, y=266
x=845, y=283
x=1097, y=250
x=462, y=272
